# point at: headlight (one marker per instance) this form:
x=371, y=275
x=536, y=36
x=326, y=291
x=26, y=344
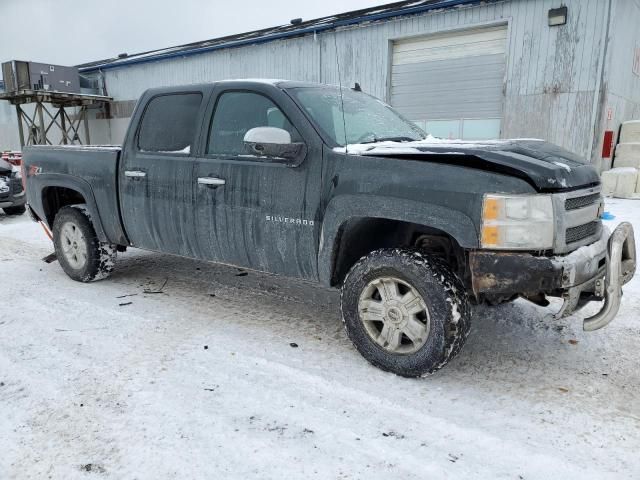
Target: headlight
x=517, y=222
x=17, y=172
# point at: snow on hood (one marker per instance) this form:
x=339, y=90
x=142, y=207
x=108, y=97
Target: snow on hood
x=546, y=166
x=420, y=146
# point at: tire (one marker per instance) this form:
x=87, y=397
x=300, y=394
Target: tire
x=82, y=256
x=426, y=293
x=18, y=210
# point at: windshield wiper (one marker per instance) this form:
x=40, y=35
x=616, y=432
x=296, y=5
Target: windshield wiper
x=390, y=139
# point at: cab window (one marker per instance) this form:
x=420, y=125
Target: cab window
x=169, y=123
x=238, y=112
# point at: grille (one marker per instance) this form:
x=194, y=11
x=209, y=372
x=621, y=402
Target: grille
x=16, y=183
x=581, y=202
x=575, y=234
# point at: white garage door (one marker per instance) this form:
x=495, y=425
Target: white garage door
x=451, y=84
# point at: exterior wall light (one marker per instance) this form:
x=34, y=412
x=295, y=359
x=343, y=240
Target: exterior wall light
x=557, y=16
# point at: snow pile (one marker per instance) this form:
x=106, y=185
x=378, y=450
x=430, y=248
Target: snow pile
x=630, y=132
x=628, y=155
x=622, y=182
x=628, y=148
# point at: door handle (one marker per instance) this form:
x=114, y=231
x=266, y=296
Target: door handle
x=211, y=181
x=135, y=174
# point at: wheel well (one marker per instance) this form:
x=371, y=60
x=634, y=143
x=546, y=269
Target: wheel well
x=54, y=198
x=359, y=236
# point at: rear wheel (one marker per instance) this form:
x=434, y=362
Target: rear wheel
x=406, y=312
x=82, y=256
x=17, y=210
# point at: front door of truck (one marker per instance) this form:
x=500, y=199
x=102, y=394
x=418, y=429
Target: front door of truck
x=156, y=172
x=253, y=211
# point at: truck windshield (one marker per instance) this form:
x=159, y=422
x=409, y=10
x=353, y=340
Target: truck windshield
x=367, y=119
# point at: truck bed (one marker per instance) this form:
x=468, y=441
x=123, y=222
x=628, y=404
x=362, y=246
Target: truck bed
x=93, y=170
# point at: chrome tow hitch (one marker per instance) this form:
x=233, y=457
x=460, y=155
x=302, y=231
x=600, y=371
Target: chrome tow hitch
x=620, y=268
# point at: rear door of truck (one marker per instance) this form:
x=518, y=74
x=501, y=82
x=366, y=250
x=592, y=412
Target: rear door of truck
x=156, y=171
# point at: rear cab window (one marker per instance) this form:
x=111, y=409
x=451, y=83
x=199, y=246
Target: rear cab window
x=169, y=123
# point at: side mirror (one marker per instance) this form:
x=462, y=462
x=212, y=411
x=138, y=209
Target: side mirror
x=274, y=143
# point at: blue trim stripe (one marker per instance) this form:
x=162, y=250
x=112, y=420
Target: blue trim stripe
x=291, y=33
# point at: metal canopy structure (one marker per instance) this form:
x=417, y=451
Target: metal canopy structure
x=50, y=115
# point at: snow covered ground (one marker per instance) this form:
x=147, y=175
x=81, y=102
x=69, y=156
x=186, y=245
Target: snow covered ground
x=202, y=381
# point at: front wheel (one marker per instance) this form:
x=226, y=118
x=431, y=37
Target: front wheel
x=405, y=311
x=82, y=256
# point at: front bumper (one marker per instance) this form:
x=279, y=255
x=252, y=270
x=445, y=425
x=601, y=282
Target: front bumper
x=592, y=272
x=14, y=196
x=13, y=201
x=620, y=268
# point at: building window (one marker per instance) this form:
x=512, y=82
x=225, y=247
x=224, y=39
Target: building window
x=463, y=128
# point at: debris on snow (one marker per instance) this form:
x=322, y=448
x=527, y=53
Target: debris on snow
x=92, y=467
x=160, y=290
x=52, y=257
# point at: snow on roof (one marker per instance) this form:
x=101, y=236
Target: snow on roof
x=282, y=31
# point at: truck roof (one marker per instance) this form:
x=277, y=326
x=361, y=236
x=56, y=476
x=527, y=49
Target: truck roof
x=245, y=82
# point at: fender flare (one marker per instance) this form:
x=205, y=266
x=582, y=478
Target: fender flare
x=346, y=207
x=46, y=180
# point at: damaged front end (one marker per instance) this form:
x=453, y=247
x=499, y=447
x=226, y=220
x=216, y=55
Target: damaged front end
x=591, y=273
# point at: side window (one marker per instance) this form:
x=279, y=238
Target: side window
x=238, y=112
x=169, y=123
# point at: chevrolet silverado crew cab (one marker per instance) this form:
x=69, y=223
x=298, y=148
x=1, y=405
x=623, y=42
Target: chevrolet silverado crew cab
x=332, y=185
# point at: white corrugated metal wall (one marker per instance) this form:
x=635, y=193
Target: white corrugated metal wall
x=621, y=91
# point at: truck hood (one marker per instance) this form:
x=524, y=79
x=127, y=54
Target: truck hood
x=5, y=167
x=545, y=166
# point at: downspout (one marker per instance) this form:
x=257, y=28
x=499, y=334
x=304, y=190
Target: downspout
x=599, y=93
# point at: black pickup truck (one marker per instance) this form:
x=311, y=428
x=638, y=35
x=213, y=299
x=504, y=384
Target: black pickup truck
x=332, y=185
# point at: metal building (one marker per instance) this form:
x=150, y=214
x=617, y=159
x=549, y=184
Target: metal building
x=563, y=70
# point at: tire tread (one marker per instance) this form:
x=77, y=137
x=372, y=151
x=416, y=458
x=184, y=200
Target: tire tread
x=457, y=323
